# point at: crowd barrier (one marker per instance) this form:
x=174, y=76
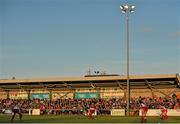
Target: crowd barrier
x=118, y=112
x=113, y=112
x=173, y=112
x=157, y=112
x=35, y=111
x=8, y=111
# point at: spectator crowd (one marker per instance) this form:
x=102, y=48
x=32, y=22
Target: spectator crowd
x=80, y=106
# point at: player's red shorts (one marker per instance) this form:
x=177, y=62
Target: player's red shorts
x=164, y=112
x=91, y=111
x=144, y=111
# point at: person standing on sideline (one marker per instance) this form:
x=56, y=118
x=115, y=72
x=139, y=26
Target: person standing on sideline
x=16, y=110
x=163, y=114
x=144, y=110
x=91, y=111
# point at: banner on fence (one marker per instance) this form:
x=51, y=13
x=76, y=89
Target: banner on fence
x=8, y=111
x=36, y=112
x=118, y=112
x=40, y=96
x=151, y=112
x=157, y=112
x=173, y=112
x=79, y=95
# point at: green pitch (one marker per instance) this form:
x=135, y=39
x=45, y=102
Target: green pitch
x=83, y=119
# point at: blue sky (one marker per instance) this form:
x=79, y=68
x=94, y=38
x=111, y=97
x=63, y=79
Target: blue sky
x=56, y=38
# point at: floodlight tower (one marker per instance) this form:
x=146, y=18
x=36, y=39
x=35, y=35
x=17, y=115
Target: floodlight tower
x=127, y=9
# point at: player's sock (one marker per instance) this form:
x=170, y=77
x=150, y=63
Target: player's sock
x=142, y=119
x=145, y=120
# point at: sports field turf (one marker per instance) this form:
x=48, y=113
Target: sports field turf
x=83, y=119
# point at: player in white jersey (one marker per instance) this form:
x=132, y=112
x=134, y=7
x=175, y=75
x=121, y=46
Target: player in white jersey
x=16, y=110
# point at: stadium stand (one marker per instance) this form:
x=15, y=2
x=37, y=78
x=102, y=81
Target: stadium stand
x=75, y=94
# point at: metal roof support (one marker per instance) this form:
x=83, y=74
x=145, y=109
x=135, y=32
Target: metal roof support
x=154, y=89
x=178, y=85
x=120, y=85
x=68, y=86
x=7, y=91
x=66, y=94
x=51, y=85
x=173, y=91
x=42, y=85
x=50, y=94
x=64, y=83
x=150, y=87
x=178, y=77
x=156, y=82
x=178, y=80
x=19, y=85
x=92, y=85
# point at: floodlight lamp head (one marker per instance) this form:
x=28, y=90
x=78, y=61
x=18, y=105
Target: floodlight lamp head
x=123, y=11
x=132, y=7
x=131, y=11
x=121, y=7
x=126, y=7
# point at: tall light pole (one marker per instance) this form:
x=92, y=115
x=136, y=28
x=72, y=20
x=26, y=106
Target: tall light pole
x=127, y=9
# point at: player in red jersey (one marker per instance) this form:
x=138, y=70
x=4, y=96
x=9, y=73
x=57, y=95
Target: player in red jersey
x=163, y=114
x=91, y=111
x=144, y=110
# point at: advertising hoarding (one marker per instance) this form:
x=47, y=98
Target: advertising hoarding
x=118, y=112
x=18, y=95
x=59, y=95
x=157, y=112
x=86, y=95
x=40, y=96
